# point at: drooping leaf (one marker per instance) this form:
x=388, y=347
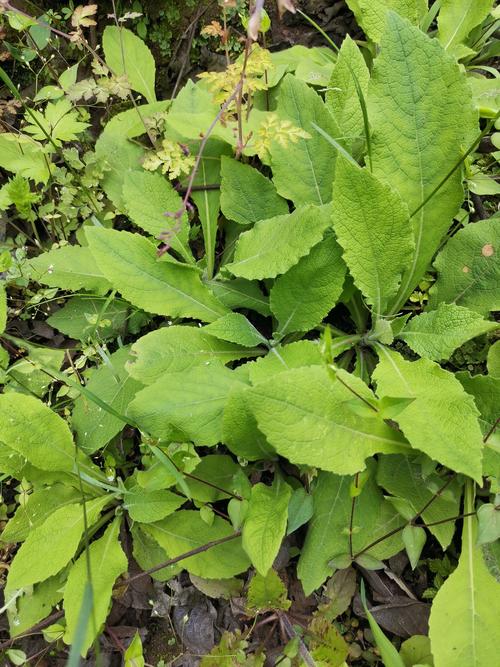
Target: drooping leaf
x=328, y=531
x=265, y=523
x=442, y=420
x=134, y=655
x=178, y=348
x=306, y=417
x=185, y=530
x=148, y=553
x=148, y=198
x=35, y=604
x=300, y=509
x=3, y=307
x=488, y=518
x=469, y=269
x=417, y=651
x=236, y=328
x=306, y=293
x=113, y=385
x=247, y=196
x=403, y=478
x=130, y=263
x=107, y=562
x=457, y=19
x=372, y=225
x=150, y=506
x=127, y=54
x=85, y=317
x=41, y=503
x=70, y=268
x=31, y=428
x=406, y=124
x=191, y=401
x=438, y=333
x=273, y=246
x=303, y=171
x=464, y=614
x=342, y=96
x=372, y=15
x=50, y=546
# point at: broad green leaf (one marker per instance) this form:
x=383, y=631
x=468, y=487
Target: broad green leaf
x=178, y=348
x=29, y=427
x=300, y=509
x=265, y=524
x=148, y=198
x=405, y=125
x=192, y=111
x=112, y=384
x=130, y=263
x=306, y=293
x=438, y=333
x=303, y=170
x=403, y=478
x=239, y=428
x=149, y=506
x=493, y=360
x=442, y=420
x=185, y=530
x=282, y=358
x=148, y=553
x=3, y=307
x=218, y=588
x=41, y=503
x=70, y=268
x=50, y=546
x=107, y=561
x=371, y=14
x=217, y=471
x=273, y=246
x=486, y=392
x=372, y=225
x=241, y=293
x=35, y=604
x=305, y=415
x=456, y=20
x=469, y=269
x=328, y=531
x=24, y=156
x=192, y=402
x=416, y=651
x=87, y=318
x=463, y=625
x=246, y=195
x=414, y=539
x=127, y=54
x=208, y=200
x=488, y=518
x=235, y=328
x=342, y=97
x=267, y=592
x=26, y=375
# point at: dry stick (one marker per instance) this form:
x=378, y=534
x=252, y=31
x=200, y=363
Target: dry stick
x=188, y=554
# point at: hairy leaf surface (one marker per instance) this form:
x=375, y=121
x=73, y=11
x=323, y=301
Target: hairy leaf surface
x=422, y=118
x=442, y=420
x=130, y=263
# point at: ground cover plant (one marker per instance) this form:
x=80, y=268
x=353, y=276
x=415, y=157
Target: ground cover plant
x=271, y=370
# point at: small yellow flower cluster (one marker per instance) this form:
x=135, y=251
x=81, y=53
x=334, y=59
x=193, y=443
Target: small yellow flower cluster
x=277, y=129
x=172, y=159
x=223, y=84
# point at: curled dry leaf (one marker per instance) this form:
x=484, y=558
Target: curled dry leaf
x=81, y=16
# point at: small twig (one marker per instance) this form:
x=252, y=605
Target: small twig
x=188, y=554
